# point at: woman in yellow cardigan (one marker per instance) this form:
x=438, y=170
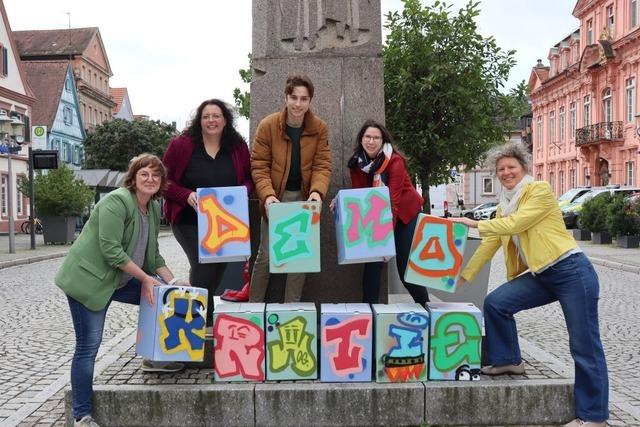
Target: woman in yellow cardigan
x=544, y=265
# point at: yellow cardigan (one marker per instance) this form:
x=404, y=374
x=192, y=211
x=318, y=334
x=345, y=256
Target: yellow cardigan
x=539, y=226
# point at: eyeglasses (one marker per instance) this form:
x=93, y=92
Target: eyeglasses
x=212, y=117
x=146, y=176
x=372, y=138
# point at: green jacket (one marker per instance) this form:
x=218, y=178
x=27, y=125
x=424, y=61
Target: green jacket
x=90, y=273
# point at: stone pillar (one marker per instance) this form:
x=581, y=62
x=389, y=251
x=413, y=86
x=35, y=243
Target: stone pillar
x=337, y=43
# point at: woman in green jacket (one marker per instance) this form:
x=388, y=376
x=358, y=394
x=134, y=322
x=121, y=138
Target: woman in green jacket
x=544, y=265
x=115, y=258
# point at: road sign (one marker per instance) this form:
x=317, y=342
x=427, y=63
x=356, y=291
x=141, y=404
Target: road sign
x=39, y=137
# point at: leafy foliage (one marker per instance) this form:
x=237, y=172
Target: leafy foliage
x=60, y=193
x=114, y=143
x=243, y=99
x=442, y=81
x=594, y=213
x=623, y=217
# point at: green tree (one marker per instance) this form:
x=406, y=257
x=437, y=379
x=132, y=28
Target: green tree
x=243, y=99
x=115, y=142
x=59, y=193
x=442, y=83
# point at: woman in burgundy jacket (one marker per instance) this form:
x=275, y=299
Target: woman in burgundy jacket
x=375, y=163
x=209, y=153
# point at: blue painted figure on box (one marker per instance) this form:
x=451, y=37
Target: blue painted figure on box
x=375, y=162
x=115, y=258
x=544, y=265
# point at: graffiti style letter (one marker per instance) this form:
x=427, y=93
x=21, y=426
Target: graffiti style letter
x=460, y=331
x=434, y=252
x=372, y=226
x=301, y=225
x=239, y=348
x=182, y=323
x=223, y=226
x=346, y=359
x=293, y=348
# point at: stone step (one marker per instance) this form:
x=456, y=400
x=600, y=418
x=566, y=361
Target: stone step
x=496, y=402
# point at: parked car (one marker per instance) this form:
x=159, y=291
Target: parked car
x=571, y=212
x=469, y=213
x=572, y=194
x=486, y=213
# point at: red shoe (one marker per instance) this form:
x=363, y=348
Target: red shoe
x=243, y=294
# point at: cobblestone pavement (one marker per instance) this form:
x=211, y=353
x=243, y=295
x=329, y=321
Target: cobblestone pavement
x=34, y=365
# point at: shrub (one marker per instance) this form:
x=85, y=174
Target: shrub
x=623, y=217
x=594, y=213
x=60, y=193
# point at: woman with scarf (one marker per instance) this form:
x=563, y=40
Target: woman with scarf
x=376, y=163
x=544, y=265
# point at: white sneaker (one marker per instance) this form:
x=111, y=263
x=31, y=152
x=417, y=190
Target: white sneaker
x=86, y=421
x=150, y=366
x=580, y=423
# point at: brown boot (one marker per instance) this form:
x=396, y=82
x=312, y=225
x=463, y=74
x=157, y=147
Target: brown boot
x=503, y=369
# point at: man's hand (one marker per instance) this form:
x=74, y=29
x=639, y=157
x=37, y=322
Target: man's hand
x=314, y=197
x=147, y=288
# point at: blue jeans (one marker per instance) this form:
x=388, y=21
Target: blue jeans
x=574, y=283
x=403, y=235
x=88, y=326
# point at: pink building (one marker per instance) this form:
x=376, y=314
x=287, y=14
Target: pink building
x=584, y=103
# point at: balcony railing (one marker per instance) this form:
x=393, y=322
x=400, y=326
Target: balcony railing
x=599, y=132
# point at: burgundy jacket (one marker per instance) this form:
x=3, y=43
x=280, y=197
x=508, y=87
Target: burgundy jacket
x=406, y=202
x=176, y=159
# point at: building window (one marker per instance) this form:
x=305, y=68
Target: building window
x=606, y=105
x=560, y=182
x=589, y=32
x=67, y=85
x=634, y=13
x=572, y=178
x=67, y=115
x=3, y=195
x=572, y=119
x=586, y=178
x=561, y=123
x=552, y=181
x=539, y=132
x=629, y=173
x=631, y=99
x=539, y=177
x=610, y=20
x=19, y=196
x=487, y=185
x=552, y=127
x=586, y=111
x=4, y=58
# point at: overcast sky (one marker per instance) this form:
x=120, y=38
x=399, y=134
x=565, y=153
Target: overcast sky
x=173, y=55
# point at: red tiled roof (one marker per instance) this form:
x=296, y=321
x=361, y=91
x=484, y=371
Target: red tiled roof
x=33, y=43
x=46, y=78
x=117, y=94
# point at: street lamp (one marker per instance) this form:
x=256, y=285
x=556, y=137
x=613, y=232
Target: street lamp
x=11, y=135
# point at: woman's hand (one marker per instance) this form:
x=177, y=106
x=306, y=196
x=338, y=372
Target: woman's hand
x=148, y=283
x=268, y=201
x=461, y=282
x=192, y=200
x=314, y=197
x=332, y=205
x=464, y=220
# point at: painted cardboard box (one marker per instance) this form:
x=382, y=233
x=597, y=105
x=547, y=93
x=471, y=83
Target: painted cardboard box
x=223, y=224
x=401, y=342
x=346, y=342
x=364, y=225
x=294, y=237
x=455, y=341
x=238, y=335
x=292, y=343
x=174, y=327
x=435, y=260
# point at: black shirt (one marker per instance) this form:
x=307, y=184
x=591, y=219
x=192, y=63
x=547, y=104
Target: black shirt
x=295, y=174
x=204, y=171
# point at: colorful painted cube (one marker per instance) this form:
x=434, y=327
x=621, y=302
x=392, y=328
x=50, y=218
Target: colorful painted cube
x=346, y=341
x=435, y=260
x=174, y=327
x=223, y=224
x=294, y=237
x=364, y=225
x=401, y=334
x=455, y=340
x=292, y=343
x=238, y=334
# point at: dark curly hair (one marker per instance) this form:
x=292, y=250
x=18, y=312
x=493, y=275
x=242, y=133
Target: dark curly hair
x=230, y=136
